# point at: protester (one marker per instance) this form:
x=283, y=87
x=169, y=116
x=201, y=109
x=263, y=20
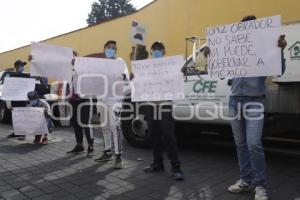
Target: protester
x=249, y=94
x=112, y=132
x=82, y=121
x=35, y=101
x=19, y=73
x=162, y=129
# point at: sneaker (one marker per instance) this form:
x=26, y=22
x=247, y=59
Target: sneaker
x=106, y=156
x=90, y=151
x=177, y=175
x=118, y=162
x=44, y=141
x=77, y=149
x=261, y=194
x=240, y=186
x=154, y=167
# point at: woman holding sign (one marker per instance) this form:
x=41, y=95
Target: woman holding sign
x=247, y=97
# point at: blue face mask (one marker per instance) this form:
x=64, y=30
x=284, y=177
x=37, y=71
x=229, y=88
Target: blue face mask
x=110, y=53
x=157, y=54
x=20, y=69
x=34, y=102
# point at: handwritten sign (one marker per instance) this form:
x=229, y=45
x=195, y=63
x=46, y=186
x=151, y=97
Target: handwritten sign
x=99, y=77
x=16, y=89
x=158, y=79
x=29, y=121
x=138, y=33
x=51, y=61
x=245, y=49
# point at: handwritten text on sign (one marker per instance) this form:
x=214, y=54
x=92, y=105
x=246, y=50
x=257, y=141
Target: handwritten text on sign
x=158, y=79
x=245, y=49
x=29, y=121
x=16, y=89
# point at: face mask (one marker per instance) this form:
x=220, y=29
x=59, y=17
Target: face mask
x=21, y=69
x=110, y=53
x=34, y=102
x=157, y=54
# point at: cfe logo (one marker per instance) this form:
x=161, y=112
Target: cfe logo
x=295, y=51
x=205, y=86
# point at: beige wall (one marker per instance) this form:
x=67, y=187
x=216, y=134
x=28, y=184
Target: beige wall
x=167, y=20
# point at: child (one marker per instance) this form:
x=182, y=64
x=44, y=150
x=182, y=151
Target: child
x=36, y=102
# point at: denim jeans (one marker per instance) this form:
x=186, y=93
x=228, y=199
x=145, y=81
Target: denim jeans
x=247, y=131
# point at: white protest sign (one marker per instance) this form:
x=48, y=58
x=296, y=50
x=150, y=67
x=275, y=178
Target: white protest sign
x=245, y=49
x=51, y=61
x=158, y=79
x=138, y=33
x=29, y=121
x=16, y=89
x=99, y=77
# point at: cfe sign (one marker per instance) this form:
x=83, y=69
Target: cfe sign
x=245, y=49
x=205, y=86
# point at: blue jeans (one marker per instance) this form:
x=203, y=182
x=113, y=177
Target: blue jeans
x=247, y=131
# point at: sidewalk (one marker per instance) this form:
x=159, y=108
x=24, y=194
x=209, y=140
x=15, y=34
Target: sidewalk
x=30, y=171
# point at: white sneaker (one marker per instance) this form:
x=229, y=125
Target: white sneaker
x=240, y=186
x=261, y=194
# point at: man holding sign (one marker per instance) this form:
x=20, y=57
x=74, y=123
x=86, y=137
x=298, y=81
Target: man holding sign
x=248, y=94
x=111, y=129
x=18, y=86
x=160, y=119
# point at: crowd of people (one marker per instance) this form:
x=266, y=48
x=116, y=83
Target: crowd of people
x=247, y=133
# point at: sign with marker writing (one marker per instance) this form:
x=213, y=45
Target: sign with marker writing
x=16, y=89
x=29, y=121
x=245, y=49
x=158, y=79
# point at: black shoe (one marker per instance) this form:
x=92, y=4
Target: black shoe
x=11, y=135
x=177, y=174
x=77, y=149
x=154, y=167
x=19, y=137
x=118, y=164
x=90, y=151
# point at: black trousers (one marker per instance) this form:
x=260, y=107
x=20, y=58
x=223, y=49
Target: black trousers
x=162, y=130
x=82, y=120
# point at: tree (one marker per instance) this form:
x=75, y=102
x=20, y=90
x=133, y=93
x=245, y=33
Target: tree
x=103, y=10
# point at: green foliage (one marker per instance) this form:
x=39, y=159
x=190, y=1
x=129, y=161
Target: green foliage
x=103, y=10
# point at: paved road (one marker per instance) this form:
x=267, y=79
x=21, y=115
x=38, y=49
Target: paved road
x=30, y=171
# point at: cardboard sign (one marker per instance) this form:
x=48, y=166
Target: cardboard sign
x=158, y=79
x=51, y=61
x=16, y=89
x=245, y=49
x=29, y=121
x=98, y=76
x=138, y=33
